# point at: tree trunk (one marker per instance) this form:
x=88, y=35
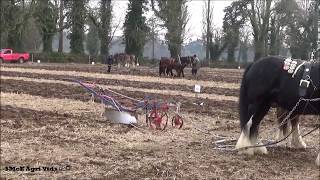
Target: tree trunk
x=231, y=56
x=60, y=48
x=105, y=28
x=77, y=30
x=239, y=53
x=208, y=32
x=47, y=43
x=104, y=50
x=259, y=49
x=153, y=38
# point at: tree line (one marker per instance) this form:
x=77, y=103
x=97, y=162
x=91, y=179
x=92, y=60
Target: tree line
x=272, y=24
x=267, y=25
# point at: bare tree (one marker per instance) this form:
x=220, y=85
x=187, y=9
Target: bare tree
x=207, y=23
x=103, y=22
x=61, y=19
x=259, y=14
x=153, y=34
x=245, y=40
x=217, y=44
x=175, y=17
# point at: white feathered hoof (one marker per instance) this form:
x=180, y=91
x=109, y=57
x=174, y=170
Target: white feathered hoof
x=298, y=143
x=280, y=136
x=242, y=142
x=261, y=150
x=318, y=160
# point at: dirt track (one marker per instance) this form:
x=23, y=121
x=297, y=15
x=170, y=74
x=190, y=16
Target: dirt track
x=55, y=125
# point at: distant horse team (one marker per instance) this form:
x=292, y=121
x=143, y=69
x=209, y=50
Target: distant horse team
x=125, y=60
x=167, y=65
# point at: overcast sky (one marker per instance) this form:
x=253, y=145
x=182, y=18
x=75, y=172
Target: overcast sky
x=195, y=8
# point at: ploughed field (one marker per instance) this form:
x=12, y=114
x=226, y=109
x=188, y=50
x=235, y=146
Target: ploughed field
x=46, y=120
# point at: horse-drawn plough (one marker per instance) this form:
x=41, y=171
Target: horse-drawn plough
x=156, y=110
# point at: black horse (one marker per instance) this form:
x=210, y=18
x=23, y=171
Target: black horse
x=269, y=81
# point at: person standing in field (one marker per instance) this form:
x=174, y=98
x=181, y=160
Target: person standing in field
x=109, y=62
x=195, y=65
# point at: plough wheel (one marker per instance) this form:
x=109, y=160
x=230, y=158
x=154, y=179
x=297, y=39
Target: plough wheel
x=158, y=120
x=177, y=121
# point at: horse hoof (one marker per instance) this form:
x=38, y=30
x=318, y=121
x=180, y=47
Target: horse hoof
x=299, y=143
x=249, y=152
x=261, y=150
x=318, y=160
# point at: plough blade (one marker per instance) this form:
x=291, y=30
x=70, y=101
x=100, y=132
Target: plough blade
x=116, y=116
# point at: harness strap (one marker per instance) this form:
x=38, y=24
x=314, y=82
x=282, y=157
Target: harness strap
x=305, y=80
x=295, y=72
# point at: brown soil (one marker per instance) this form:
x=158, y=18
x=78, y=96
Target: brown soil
x=94, y=148
x=209, y=90
x=230, y=76
x=223, y=108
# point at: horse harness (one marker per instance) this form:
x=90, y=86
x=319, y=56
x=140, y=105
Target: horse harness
x=292, y=67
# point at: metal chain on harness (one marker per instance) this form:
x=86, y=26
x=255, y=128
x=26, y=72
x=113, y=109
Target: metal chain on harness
x=227, y=147
x=295, y=107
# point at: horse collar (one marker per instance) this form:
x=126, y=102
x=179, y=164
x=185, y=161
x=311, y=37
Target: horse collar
x=292, y=67
x=305, y=80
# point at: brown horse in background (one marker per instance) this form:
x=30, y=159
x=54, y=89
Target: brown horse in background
x=125, y=60
x=166, y=65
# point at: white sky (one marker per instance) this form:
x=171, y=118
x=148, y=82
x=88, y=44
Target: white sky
x=195, y=8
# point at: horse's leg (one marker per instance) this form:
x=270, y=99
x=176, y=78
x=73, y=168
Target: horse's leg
x=249, y=134
x=171, y=73
x=254, y=131
x=244, y=140
x=296, y=140
x=178, y=72
x=283, y=130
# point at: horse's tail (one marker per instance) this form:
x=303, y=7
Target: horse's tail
x=243, y=100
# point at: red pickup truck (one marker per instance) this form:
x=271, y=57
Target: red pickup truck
x=9, y=56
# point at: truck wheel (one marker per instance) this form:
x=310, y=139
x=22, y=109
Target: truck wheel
x=20, y=60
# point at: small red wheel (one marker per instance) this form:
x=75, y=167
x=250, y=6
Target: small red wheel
x=159, y=121
x=164, y=121
x=177, y=121
x=150, y=117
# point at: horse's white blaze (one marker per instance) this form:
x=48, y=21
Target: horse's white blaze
x=297, y=140
x=318, y=160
